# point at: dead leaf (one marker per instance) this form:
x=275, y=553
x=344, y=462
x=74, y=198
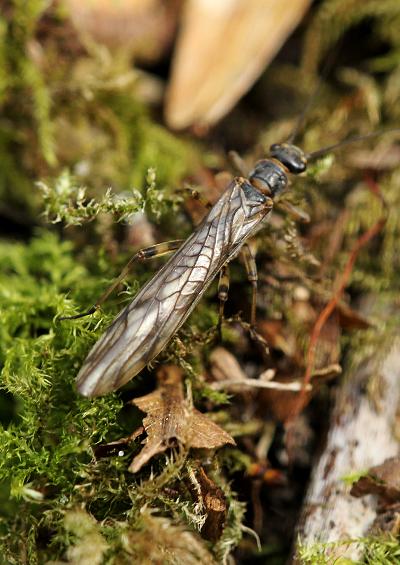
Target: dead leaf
x=171, y=419
x=382, y=480
x=222, y=49
x=273, y=332
x=269, y=475
x=350, y=319
x=225, y=366
x=387, y=521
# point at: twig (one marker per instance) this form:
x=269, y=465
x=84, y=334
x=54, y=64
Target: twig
x=294, y=386
x=343, y=281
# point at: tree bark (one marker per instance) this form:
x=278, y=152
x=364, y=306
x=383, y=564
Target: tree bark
x=362, y=434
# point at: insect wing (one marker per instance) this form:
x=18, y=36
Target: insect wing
x=143, y=328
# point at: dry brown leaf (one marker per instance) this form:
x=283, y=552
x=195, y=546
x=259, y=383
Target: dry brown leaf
x=172, y=419
x=225, y=366
x=387, y=520
x=272, y=332
x=222, y=48
x=328, y=352
x=350, y=319
x=382, y=480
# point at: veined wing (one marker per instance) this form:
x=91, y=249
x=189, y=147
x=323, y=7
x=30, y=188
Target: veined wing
x=143, y=328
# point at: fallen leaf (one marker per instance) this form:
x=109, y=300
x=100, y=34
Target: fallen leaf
x=382, y=480
x=350, y=319
x=171, y=419
x=225, y=366
x=222, y=48
x=387, y=520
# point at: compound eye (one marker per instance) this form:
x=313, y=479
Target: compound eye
x=296, y=166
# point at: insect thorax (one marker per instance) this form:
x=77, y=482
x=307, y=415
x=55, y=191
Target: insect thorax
x=270, y=175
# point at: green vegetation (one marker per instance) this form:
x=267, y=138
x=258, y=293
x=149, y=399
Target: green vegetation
x=69, y=130
x=383, y=550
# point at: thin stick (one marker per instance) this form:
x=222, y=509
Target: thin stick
x=343, y=281
x=295, y=386
x=344, y=142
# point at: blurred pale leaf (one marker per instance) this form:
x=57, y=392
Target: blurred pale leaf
x=142, y=28
x=223, y=47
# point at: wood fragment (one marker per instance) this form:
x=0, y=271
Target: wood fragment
x=295, y=386
x=361, y=435
x=214, y=503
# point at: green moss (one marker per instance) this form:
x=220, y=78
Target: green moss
x=57, y=500
x=336, y=17
x=48, y=467
x=383, y=550
x=65, y=106
x=67, y=202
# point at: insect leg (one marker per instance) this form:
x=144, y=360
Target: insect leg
x=223, y=289
x=196, y=195
x=295, y=212
x=238, y=163
x=146, y=253
x=251, y=269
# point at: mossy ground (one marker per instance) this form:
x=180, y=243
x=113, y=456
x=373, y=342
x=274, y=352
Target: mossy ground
x=57, y=500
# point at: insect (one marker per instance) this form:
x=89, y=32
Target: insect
x=144, y=327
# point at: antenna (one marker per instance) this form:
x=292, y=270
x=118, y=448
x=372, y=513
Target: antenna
x=301, y=119
x=353, y=139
